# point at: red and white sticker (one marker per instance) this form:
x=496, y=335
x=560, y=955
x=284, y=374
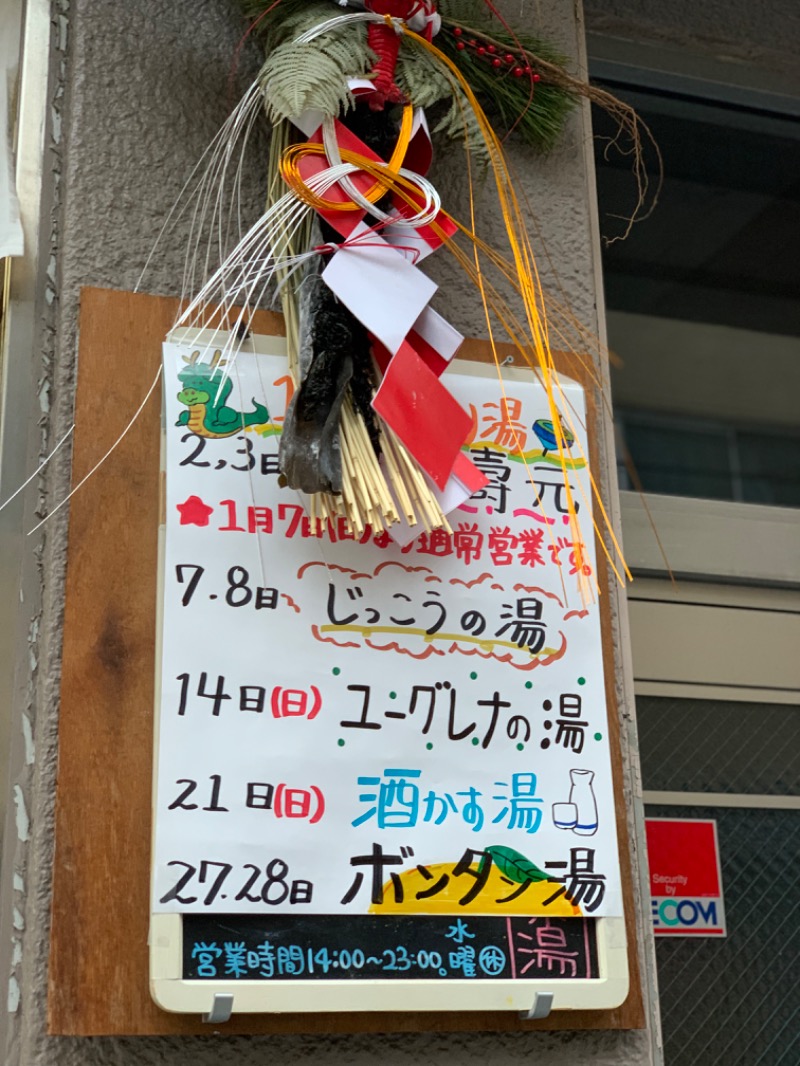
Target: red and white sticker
x=685, y=878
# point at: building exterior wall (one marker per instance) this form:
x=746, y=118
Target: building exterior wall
x=765, y=36
x=136, y=93
x=701, y=743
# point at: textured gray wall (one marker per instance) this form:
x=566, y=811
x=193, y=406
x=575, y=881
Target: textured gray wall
x=138, y=91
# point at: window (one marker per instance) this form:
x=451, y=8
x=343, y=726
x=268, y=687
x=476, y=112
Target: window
x=716, y=460
x=703, y=297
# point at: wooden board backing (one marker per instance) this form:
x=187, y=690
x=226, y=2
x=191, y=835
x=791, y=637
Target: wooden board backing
x=98, y=974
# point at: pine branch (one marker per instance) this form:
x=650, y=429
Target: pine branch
x=505, y=72
x=297, y=77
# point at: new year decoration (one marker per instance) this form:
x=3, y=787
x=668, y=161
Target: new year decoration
x=372, y=433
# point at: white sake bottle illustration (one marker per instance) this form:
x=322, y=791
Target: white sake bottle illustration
x=582, y=795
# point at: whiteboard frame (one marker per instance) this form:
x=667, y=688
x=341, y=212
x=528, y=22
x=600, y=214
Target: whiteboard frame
x=172, y=992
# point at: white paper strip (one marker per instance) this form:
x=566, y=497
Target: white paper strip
x=438, y=332
x=384, y=291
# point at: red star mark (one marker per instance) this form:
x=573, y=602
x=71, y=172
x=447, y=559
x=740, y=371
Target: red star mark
x=194, y=512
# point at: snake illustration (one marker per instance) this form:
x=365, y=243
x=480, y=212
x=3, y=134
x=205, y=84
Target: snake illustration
x=213, y=418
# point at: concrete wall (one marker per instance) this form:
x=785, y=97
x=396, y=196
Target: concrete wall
x=137, y=91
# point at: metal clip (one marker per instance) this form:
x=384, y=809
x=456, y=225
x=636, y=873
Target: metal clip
x=221, y=1009
x=542, y=1005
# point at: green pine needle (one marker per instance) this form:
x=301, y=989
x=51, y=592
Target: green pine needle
x=535, y=111
x=297, y=77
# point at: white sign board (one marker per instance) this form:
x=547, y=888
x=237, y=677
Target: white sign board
x=351, y=727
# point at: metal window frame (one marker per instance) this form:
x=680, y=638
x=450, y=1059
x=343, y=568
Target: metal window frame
x=696, y=533
x=702, y=81
x=21, y=441
x=19, y=434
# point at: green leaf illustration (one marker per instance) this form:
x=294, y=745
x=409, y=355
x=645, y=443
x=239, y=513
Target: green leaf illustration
x=513, y=865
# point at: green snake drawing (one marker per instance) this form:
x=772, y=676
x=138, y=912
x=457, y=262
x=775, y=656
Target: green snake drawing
x=213, y=418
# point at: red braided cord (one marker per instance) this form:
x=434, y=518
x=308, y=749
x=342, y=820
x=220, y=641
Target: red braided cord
x=385, y=43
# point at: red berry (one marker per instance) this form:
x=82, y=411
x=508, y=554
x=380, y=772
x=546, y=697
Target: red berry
x=491, y=48
x=472, y=42
x=527, y=70
x=517, y=72
x=509, y=58
x=457, y=31
x=481, y=51
x=497, y=62
x=460, y=46
x=537, y=77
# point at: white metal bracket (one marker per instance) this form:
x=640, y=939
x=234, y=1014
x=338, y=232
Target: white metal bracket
x=221, y=1009
x=542, y=1005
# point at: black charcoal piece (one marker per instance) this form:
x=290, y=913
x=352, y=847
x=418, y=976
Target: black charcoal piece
x=334, y=354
